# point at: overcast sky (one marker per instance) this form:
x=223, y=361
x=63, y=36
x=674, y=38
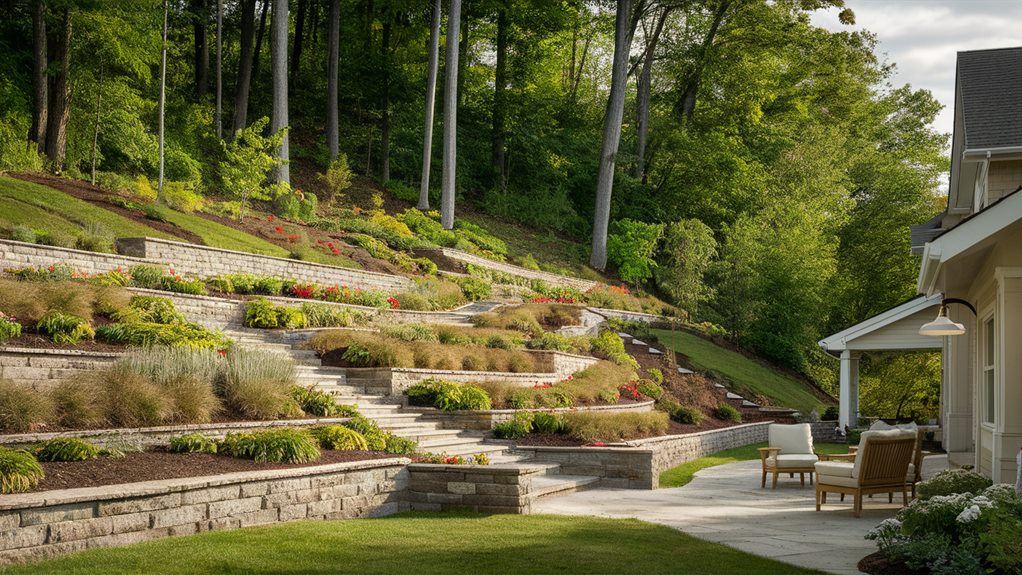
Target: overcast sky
x=922, y=37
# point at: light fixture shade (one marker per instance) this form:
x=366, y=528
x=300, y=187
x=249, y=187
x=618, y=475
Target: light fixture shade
x=942, y=325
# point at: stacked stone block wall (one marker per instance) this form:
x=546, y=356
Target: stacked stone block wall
x=45, y=524
x=484, y=489
x=518, y=271
x=486, y=420
x=42, y=368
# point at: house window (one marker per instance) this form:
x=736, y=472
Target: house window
x=989, y=374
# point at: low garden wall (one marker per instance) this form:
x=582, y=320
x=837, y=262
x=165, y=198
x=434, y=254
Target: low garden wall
x=484, y=489
x=638, y=464
x=15, y=254
x=626, y=315
x=41, y=368
x=204, y=261
x=511, y=269
x=160, y=435
x=395, y=380
x=48, y=523
x=484, y=420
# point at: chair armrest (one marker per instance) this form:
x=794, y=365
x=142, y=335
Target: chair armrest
x=836, y=457
x=766, y=452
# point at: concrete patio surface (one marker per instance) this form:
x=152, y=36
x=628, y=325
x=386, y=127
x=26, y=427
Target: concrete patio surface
x=725, y=504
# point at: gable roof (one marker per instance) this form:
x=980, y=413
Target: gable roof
x=991, y=90
x=843, y=340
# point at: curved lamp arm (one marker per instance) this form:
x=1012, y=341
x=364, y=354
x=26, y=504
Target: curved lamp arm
x=961, y=301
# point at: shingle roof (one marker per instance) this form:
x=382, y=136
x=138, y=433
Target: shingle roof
x=991, y=85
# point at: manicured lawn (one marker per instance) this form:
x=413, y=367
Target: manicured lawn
x=42, y=207
x=682, y=474
x=220, y=236
x=423, y=544
x=747, y=375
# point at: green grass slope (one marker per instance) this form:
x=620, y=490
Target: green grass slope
x=425, y=544
x=220, y=236
x=747, y=375
x=40, y=207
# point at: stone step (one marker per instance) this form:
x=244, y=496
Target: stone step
x=554, y=485
x=467, y=451
x=424, y=435
x=439, y=444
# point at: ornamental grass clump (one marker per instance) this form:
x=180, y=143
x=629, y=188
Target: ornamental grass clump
x=283, y=445
x=67, y=449
x=187, y=378
x=22, y=408
x=320, y=403
x=257, y=384
x=78, y=403
x=448, y=395
x=339, y=438
x=130, y=399
x=592, y=427
x=19, y=471
x=518, y=427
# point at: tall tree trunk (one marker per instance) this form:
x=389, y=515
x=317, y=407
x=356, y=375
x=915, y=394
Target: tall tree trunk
x=642, y=96
x=95, y=127
x=296, y=49
x=244, y=66
x=450, y=116
x=37, y=132
x=463, y=50
x=333, y=47
x=59, y=95
x=219, y=69
x=623, y=31
x=278, y=60
x=500, y=97
x=577, y=79
x=688, y=101
x=163, y=95
x=427, y=139
x=200, y=16
x=259, y=40
x=385, y=128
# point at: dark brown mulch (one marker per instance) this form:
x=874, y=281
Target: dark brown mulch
x=42, y=342
x=878, y=564
x=549, y=440
x=156, y=465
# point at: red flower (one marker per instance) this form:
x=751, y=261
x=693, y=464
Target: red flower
x=51, y=268
x=221, y=352
x=599, y=444
x=292, y=238
x=269, y=218
x=279, y=229
x=394, y=304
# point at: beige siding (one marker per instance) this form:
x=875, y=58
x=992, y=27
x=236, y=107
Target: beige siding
x=1004, y=177
x=902, y=334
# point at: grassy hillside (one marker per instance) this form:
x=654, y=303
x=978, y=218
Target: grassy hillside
x=221, y=236
x=749, y=377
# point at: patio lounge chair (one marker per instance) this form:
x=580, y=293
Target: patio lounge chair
x=915, y=469
x=790, y=451
x=881, y=466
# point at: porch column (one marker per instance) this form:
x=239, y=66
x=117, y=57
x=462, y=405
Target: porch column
x=1007, y=437
x=957, y=386
x=848, y=408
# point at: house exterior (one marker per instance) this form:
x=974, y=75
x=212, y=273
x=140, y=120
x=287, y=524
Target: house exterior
x=971, y=252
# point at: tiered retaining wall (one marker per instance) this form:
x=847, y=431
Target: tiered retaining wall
x=42, y=368
x=395, y=380
x=484, y=420
x=638, y=464
x=48, y=523
x=511, y=269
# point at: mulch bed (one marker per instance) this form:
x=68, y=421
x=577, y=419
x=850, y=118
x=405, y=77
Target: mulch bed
x=158, y=464
x=878, y=564
x=42, y=342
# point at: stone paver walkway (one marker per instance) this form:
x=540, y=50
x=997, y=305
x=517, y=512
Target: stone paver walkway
x=725, y=504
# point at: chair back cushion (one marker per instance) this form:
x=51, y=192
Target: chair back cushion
x=917, y=456
x=791, y=439
x=887, y=457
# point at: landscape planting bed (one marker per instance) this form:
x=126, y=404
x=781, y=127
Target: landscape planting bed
x=161, y=464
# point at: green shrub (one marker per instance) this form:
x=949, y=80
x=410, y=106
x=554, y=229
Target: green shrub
x=337, y=178
x=142, y=334
x=1001, y=542
x=517, y=428
x=257, y=384
x=550, y=341
x=650, y=388
x=376, y=439
x=22, y=408
x=951, y=482
x=339, y=438
x=527, y=261
x=448, y=396
x=322, y=315
x=399, y=445
x=150, y=309
x=631, y=247
x=429, y=268
x=688, y=415
x=9, y=329
x=656, y=375
x=411, y=332
x=727, y=412
x=592, y=427
x=474, y=289
x=65, y=328
x=830, y=414
x=19, y=471
x=193, y=443
x=609, y=345
x=146, y=276
x=319, y=403
x=78, y=403
x=261, y=313
x=66, y=449
x=547, y=423
x=282, y=445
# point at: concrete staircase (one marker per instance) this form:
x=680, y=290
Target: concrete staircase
x=391, y=414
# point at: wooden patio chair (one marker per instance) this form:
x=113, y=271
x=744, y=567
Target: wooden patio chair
x=790, y=451
x=881, y=466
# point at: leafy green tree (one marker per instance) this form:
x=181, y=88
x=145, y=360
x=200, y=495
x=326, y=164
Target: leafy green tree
x=630, y=249
x=248, y=160
x=687, y=251
x=899, y=385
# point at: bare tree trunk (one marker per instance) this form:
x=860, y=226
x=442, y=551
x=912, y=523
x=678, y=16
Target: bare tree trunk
x=95, y=129
x=427, y=140
x=333, y=47
x=163, y=96
x=244, y=66
x=500, y=98
x=385, y=128
x=278, y=59
x=611, y=133
x=450, y=116
x=463, y=52
x=642, y=96
x=37, y=133
x=219, y=69
x=259, y=40
x=199, y=18
x=577, y=79
x=296, y=49
x=60, y=96
x=688, y=102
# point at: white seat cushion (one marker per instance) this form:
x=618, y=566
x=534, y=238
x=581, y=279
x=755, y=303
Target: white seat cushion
x=797, y=460
x=834, y=468
x=791, y=439
x=879, y=434
x=881, y=425
x=823, y=480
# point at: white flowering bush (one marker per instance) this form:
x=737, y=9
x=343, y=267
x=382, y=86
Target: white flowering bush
x=957, y=534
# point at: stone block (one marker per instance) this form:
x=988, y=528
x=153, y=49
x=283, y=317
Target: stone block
x=461, y=487
x=323, y=508
x=130, y=522
x=260, y=517
x=185, y=529
x=493, y=500
x=293, y=512
x=255, y=488
x=138, y=504
x=296, y=484
x=9, y=520
x=81, y=529
x=23, y=537
x=498, y=489
x=55, y=513
x=479, y=477
x=220, y=524
x=231, y=507
x=448, y=498
x=210, y=494
x=290, y=498
x=179, y=515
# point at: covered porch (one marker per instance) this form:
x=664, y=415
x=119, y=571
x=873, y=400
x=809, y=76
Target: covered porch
x=896, y=329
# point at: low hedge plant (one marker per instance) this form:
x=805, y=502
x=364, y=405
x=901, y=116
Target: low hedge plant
x=727, y=412
x=67, y=449
x=193, y=443
x=19, y=471
x=261, y=313
x=606, y=427
x=448, y=395
x=339, y=438
x=283, y=445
